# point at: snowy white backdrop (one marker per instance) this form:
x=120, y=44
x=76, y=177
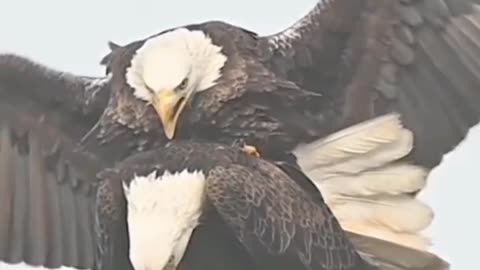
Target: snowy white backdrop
x=72, y=36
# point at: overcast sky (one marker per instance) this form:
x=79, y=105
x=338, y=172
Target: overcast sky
x=72, y=36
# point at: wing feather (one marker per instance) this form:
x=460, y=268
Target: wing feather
x=45, y=217
x=47, y=187
x=420, y=59
x=80, y=94
x=429, y=74
x=310, y=48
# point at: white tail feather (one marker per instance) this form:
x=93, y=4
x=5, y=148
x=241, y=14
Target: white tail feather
x=391, y=212
x=383, y=139
x=369, y=190
x=392, y=179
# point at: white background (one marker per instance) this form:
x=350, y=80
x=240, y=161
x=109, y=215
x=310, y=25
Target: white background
x=72, y=36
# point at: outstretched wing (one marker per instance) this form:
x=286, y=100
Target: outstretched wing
x=47, y=188
x=418, y=58
x=277, y=221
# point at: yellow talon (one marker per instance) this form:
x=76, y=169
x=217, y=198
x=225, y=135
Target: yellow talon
x=251, y=150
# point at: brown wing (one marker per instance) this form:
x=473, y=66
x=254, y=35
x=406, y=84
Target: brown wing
x=309, y=52
x=431, y=75
x=46, y=187
x=277, y=221
x=419, y=58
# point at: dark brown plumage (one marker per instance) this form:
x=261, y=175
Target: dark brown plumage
x=427, y=73
x=46, y=186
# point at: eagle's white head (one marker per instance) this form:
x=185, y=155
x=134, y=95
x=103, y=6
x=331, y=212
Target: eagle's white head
x=170, y=68
x=163, y=211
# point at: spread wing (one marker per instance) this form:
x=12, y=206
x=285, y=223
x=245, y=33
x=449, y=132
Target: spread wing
x=47, y=188
x=370, y=57
x=419, y=59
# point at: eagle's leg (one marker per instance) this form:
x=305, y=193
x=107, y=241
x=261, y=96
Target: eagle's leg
x=251, y=150
x=247, y=148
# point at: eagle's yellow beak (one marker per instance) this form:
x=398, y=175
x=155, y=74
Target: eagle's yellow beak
x=169, y=104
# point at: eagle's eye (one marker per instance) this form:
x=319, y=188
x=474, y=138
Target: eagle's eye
x=182, y=85
x=150, y=90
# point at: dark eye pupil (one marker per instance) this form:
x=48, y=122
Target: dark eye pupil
x=149, y=89
x=184, y=83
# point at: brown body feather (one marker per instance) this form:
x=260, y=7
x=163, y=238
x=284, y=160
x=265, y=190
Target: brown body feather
x=416, y=57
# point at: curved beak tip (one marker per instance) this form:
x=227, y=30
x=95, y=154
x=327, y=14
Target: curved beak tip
x=168, y=106
x=169, y=132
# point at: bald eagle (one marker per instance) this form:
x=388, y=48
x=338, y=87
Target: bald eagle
x=307, y=91
x=301, y=97
x=188, y=210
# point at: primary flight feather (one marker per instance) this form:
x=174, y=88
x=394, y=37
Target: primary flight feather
x=305, y=92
